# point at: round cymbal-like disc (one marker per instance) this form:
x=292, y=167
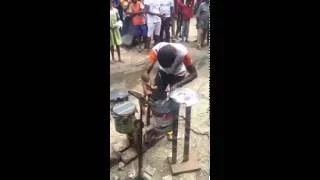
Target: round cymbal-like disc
x=184, y=96
x=117, y=94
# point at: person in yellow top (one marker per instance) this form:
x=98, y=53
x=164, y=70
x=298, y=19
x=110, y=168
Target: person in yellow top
x=115, y=36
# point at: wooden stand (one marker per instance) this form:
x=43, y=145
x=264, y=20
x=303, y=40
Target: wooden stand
x=184, y=167
x=189, y=163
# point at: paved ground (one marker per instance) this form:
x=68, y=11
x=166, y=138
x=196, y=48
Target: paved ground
x=127, y=76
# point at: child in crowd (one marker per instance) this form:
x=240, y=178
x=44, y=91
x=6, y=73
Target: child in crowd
x=115, y=36
x=138, y=20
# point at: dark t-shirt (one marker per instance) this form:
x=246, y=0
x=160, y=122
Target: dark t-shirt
x=116, y=2
x=203, y=13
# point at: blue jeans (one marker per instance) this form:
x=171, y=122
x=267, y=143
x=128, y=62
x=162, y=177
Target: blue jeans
x=185, y=28
x=141, y=30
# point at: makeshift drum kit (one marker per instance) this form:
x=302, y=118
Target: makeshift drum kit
x=166, y=116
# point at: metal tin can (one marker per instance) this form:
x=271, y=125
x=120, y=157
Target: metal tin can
x=124, y=115
x=164, y=112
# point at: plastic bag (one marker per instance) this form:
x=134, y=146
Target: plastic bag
x=119, y=24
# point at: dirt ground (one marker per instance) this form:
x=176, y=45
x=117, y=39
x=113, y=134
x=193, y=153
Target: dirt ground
x=126, y=75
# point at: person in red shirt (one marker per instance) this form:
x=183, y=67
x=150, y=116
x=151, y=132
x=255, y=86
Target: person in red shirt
x=138, y=20
x=186, y=12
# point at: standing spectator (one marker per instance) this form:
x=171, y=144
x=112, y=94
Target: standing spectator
x=186, y=11
x=127, y=19
x=174, y=20
x=115, y=36
x=195, y=9
x=166, y=8
x=203, y=14
x=196, y=6
x=117, y=5
x=152, y=9
x=179, y=20
x=138, y=20
x=125, y=4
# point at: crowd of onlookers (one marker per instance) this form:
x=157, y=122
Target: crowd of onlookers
x=158, y=20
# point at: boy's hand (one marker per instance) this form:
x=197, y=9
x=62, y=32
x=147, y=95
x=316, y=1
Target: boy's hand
x=154, y=87
x=147, y=89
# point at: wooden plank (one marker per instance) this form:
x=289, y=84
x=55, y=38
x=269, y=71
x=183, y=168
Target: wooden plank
x=129, y=155
x=184, y=167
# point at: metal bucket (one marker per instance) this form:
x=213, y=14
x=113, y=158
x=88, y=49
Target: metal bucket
x=164, y=112
x=123, y=114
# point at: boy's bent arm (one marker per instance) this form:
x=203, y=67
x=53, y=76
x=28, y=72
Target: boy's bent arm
x=192, y=75
x=146, y=72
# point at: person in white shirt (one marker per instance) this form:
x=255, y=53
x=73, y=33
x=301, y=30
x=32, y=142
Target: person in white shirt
x=152, y=9
x=166, y=8
x=175, y=69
